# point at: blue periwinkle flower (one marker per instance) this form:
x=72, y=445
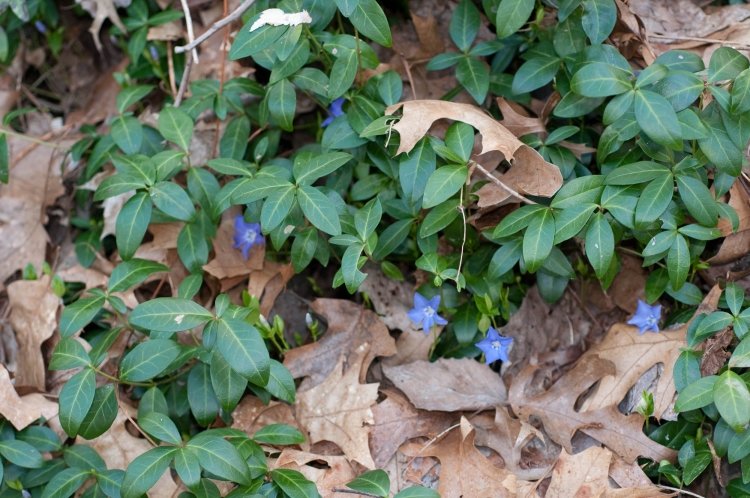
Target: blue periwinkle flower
x=425, y=312
x=646, y=317
x=494, y=346
x=39, y=25
x=154, y=52
x=246, y=235
x=334, y=110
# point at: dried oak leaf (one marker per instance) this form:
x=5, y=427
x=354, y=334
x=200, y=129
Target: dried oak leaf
x=683, y=18
x=587, y=474
x=353, y=332
x=449, y=384
x=21, y=411
x=268, y=282
x=33, y=313
x=530, y=173
x=335, y=474
x=397, y=421
x=464, y=471
x=556, y=408
x=339, y=410
x=516, y=120
x=228, y=261
x=735, y=244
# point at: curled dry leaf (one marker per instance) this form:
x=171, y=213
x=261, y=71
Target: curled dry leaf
x=587, y=474
x=530, y=174
x=353, y=332
x=684, y=18
x=252, y=414
x=397, y=421
x=736, y=244
x=33, y=313
x=516, y=121
x=228, y=261
x=22, y=411
x=337, y=473
x=267, y=283
x=464, y=471
x=448, y=384
x=339, y=410
x=103, y=10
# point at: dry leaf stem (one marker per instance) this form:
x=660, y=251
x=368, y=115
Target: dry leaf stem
x=189, y=24
x=500, y=184
x=699, y=39
x=215, y=27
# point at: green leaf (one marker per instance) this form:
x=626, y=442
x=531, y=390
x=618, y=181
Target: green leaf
x=69, y=353
x=732, y=400
x=167, y=314
x=569, y=222
x=726, y=63
x=417, y=492
x=40, y=437
x=220, y=458
x=415, y=169
x=79, y=314
x=678, y=262
x=659, y=243
x=517, y=220
x=657, y=119
x=309, y=169
x=117, y=184
x=132, y=272
x=511, y=16
x=172, y=199
x=464, y=25
x=474, y=75
x=599, y=17
x=176, y=126
x=303, y=248
x=740, y=93
x=276, y=206
x=443, y=184
x=201, y=396
x=319, y=209
x=148, y=359
x=720, y=149
x=735, y=297
x=282, y=103
x=233, y=142
x=374, y=482
x=687, y=369
x=538, y=239
x=343, y=73
x=636, y=173
x=346, y=7
x=370, y=20
x=65, y=483
x=161, y=427
x=367, y=218
x=280, y=382
x=696, y=395
x=127, y=132
x=353, y=278
x=573, y=105
x=599, y=79
x=741, y=354
x=102, y=413
x=188, y=467
x=439, y=217
x=680, y=88
x=739, y=446
x=250, y=43
x=278, y=435
x=4, y=159
x=145, y=470
x=131, y=95
x=192, y=247
x=229, y=386
x=394, y=235
x=242, y=346
x=294, y=484
x=75, y=400
x=505, y=258
x=21, y=453
x=535, y=73
x=600, y=245
x=698, y=200
x=132, y=223
x=650, y=75
x=654, y=199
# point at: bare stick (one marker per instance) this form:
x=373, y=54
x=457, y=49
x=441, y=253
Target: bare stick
x=699, y=39
x=215, y=27
x=683, y=491
x=189, y=23
x=500, y=184
x=184, y=81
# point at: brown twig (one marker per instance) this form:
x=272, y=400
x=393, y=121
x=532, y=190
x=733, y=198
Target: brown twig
x=189, y=24
x=407, y=68
x=502, y=185
x=699, y=39
x=215, y=27
x=183, y=81
x=170, y=69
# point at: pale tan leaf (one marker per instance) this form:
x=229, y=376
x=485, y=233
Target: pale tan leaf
x=516, y=120
x=22, y=411
x=228, y=261
x=449, y=384
x=33, y=313
x=338, y=472
x=339, y=410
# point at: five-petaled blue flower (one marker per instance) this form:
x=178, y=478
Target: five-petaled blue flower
x=246, y=235
x=646, y=317
x=425, y=312
x=494, y=346
x=334, y=110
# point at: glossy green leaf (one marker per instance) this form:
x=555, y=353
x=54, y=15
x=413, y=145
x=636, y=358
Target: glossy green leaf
x=282, y=103
x=187, y=465
x=600, y=244
x=65, y=483
x=698, y=200
x=132, y=223
x=276, y=206
x=127, y=132
x=569, y=222
x=696, y=395
x=678, y=262
x=439, y=217
x=69, y=353
x=75, y=400
x=600, y=80
x=443, y=183
x=242, y=346
x=250, y=43
x=538, y=239
x=474, y=75
x=220, y=458
x=21, y=453
x=732, y=400
x=278, y=435
x=161, y=427
x=654, y=199
x=741, y=355
x=229, y=385
x=657, y=119
x=102, y=413
x=172, y=199
x=167, y=314
x=294, y=484
x=599, y=17
x=511, y=16
x=535, y=73
x=79, y=314
x=374, y=482
x=726, y=63
x=417, y=492
x=309, y=169
x=464, y=25
x=319, y=209
x=132, y=272
x=143, y=472
x=176, y=126
x=517, y=220
x=148, y=359
x=280, y=382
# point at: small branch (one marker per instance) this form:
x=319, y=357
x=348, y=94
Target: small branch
x=31, y=139
x=215, y=27
x=183, y=81
x=683, y=491
x=500, y=184
x=407, y=68
x=189, y=23
x=353, y=492
x=699, y=39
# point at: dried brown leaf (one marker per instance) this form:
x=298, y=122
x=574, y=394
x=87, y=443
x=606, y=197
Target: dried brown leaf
x=228, y=261
x=339, y=410
x=683, y=18
x=517, y=121
x=353, y=332
x=448, y=384
x=736, y=244
x=33, y=313
x=337, y=473
x=21, y=411
x=530, y=173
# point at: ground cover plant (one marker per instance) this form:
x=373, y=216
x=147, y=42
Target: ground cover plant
x=413, y=249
